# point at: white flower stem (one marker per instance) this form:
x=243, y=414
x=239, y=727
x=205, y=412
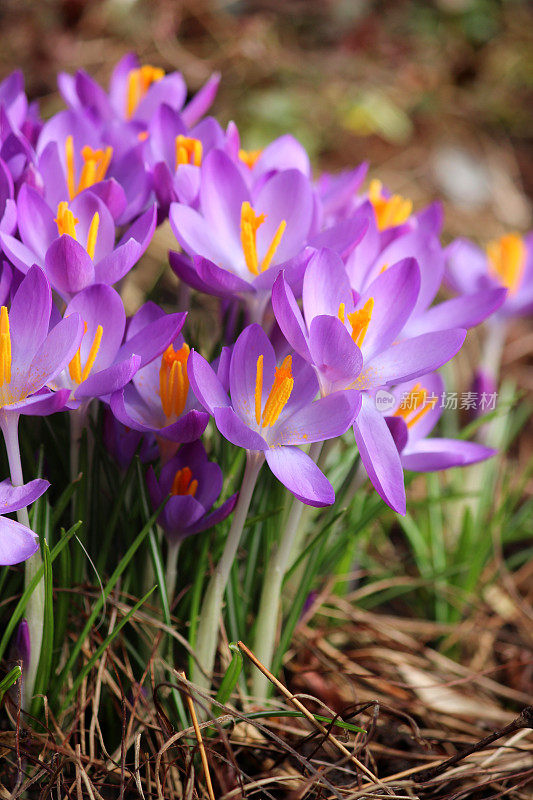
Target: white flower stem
x=171, y=572
x=491, y=356
x=34, y=612
x=270, y=603
x=207, y=635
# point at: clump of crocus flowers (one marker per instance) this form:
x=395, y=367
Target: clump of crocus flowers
x=326, y=290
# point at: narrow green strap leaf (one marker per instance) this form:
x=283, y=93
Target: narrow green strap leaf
x=10, y=679
x=229, y=681
x=21, y=605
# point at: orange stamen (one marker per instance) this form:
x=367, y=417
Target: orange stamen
x=188, y=151
x=250, y=157
x=507, y=259
x=95, y=166
x=250, y=222
x=65, y=220
x=183, y=483
x=92, y=234
x=76, y=373
x=258, y=389
x=389, y=211
x=417, y=401
x=5, y=347
x=359, y=320
x=139, y=81
x=279, y=394
x=173, y=380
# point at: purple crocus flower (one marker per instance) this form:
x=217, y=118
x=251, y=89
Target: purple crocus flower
x=159, y=398
x=283, y=153
x=176, y=153
x=76, y=248
x=507, y=262
x=13, y=99
x=18, y=542
x=75, y=155
x=371, y=257
x=416, y=409
x=353, y=343
x=135, y=93
x=31, y=354
x=240, y=240
x=194, y=484
x=272, y=410
x=103, y=365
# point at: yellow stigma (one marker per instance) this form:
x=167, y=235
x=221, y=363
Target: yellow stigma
x=5, y=347
x=250, y=157
x=173, y=380
x=507, y=259
x=188, y=151
x=66, y=223
x=389, y=211
x=250, y=222
x=359, y=320
x=416, y=405
x=77, y=374
x=95, y=166
x=277, y=397
x=139, y=81
x=183, y=483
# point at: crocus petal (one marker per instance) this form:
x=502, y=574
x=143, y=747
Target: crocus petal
x=29, y=316
x=429, y=455
x=19, y=255
x=180, y=512
x=235, y=431
x=222, y=193
x=100, y=305
x=283, y=153
x=286, y=196
x=220, y=281
x=341, y=237
x=183, y=267
x=205, y=384
x=198, y=237
x=394, y=293
x=57, y=350
x=12, y=498
x=108, y=380
x=289, y=317
x=325, y=286
x=334, y=353
x=115, y=265
x=216, y=516
x=466, y=311
x=322, y=419
x=154, y=338
x=379, y=455
x=411, y=358
x=300, y=475
x=187, y=428
x=36, y=221
x=142, y=229
x=251, y=344
x=17, y=542
x=84, y=207
x=41, y=404
x=201, y=101
x=68, y=265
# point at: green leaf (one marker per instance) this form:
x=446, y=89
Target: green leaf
x=10, y=679
x=22, y=603
x=229, y=681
